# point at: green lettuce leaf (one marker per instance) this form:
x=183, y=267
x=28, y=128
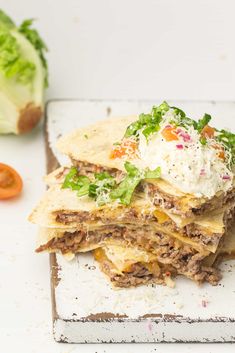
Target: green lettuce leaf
x=98, y=189
x=23, y=76
x=126, y=188
x=104, y=189
x=149, y=123
x=34, y=38
x=12, y=64
x=5, y=21
x=153, y=174
x=203, y=122
x=77, y=182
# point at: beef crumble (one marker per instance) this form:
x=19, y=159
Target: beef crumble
x=133, y=215
x=168, y=250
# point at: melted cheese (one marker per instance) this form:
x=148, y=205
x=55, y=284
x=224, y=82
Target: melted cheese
x=228, y=247
x=123, y=257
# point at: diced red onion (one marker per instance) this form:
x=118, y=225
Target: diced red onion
x=185, y=136
x=178, y=131
x=202, y=172
x=226, y=177
x=180, y=147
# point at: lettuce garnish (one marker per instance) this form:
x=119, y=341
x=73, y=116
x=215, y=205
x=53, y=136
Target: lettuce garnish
x=103, y=187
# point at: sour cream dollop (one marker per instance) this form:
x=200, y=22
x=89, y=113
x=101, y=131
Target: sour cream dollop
x=186, y=164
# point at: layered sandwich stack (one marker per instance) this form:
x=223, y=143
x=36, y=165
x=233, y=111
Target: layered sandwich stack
x=151, y=196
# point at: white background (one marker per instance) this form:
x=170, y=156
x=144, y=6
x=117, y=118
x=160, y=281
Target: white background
x=165, y=49
x=136, y=48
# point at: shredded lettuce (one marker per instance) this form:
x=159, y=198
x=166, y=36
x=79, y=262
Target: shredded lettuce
x=153, y=174
x=203, y=122
x=124, y=191
x=148, y=123
x=98, y=188
x=103, y=187
x=77, y=182
x=126, y=188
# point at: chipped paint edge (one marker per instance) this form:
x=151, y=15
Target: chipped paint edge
x=146, y=331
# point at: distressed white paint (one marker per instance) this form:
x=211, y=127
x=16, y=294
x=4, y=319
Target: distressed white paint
x=143, y=331
x=83, y=289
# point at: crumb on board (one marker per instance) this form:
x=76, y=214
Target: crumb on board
x=205, y=303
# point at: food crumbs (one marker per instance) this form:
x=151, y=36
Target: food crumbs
x=205, y=303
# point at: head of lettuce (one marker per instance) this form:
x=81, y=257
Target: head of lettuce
x=23, y=76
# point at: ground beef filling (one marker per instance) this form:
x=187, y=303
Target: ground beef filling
x=137, y=274
x=131, y=215
x=174, y=204
x=86, y=168
x=168, y=250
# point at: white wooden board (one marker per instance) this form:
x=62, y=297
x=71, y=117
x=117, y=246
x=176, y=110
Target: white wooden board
x=87, y=309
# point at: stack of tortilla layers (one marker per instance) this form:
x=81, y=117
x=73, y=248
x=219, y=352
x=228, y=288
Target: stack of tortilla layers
x=163, y=232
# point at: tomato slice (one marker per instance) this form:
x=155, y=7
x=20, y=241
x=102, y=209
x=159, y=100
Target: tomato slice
x=208, y=131
x=10, y=182
x=127, y=147
x=221, y=152
x=169, y=134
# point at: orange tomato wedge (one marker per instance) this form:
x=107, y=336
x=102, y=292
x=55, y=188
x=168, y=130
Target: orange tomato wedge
x=127, y=147
x=10, y=182
x=169, y=134
x=208, y=131
x=117, y=153
x=221, y=152
x=221, y=155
